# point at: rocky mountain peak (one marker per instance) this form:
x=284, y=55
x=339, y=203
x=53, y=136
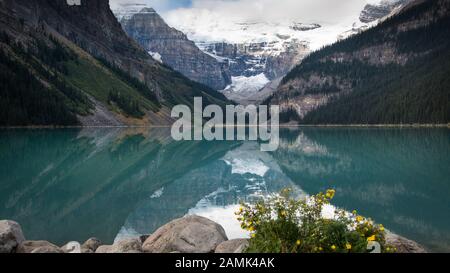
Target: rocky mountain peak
x=373, y=12
x=173, y=48
x=147, y=10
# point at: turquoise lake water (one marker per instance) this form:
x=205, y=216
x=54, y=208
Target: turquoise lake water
x=73, y=184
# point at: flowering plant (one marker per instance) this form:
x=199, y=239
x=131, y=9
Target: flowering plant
x=283, y=224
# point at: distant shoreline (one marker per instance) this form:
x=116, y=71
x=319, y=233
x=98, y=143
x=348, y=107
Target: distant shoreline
x=281, y=126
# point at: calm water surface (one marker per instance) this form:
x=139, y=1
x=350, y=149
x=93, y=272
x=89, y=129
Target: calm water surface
x=70, y=184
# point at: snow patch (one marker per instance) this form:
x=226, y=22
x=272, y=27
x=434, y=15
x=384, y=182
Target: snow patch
x=245, y=84
x=156, y=56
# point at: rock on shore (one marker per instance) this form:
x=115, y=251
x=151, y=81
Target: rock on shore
x=404, y=245
x=10, y=236
x=191, y=234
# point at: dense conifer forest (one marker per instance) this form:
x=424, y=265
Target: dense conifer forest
x=394, y=93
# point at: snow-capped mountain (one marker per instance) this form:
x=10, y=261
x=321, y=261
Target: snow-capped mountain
x=372, y=14
x=171, y=47
x=376, y=11
x=262, y=51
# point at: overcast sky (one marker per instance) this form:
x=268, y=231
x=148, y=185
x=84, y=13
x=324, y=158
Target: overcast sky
x=318, y=10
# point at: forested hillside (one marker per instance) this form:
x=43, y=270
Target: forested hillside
x=395, y=73
x=61, y=63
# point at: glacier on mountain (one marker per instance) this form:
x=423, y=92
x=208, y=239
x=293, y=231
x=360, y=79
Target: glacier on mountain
x=262, y=50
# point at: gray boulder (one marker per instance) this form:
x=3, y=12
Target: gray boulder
x=233, y=246
x=47, y=250
x=124, y=246
x=10, y=236
x=38, y=247
x=191, y=234
x=104, y=249
x=72, y=247
x=403, y=245
x=91, y=245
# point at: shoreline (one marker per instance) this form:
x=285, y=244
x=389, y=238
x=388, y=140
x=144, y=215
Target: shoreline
x=283, y=126
x=183, y=236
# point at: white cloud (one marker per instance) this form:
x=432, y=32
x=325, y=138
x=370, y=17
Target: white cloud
x=159, y=5
x=317, y=10
x=305, y=10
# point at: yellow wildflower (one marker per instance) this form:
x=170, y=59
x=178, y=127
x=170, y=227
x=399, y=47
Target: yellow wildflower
x=371, y=238
x=298, y=242
x=283, y=213
x=348, y=246
x=320, y=249
x=381, y=228
x=253, y=235
x=330, y=194
x=359, y=219
x=333, y=247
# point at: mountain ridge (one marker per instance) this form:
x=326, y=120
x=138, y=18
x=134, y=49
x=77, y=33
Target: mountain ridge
x=393, y=73
x=83, y=59
x=173, y=48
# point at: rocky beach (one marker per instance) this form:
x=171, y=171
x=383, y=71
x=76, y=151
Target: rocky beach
x=190, y=234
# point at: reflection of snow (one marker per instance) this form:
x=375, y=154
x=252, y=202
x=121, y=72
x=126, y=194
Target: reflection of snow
x=304, y=145
x=157, y=194
x=248, y=166
x=247, y=159
x=225, y=217
x=248, y=176
x=126, y=233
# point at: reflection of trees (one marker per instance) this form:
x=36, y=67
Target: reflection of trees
x=80, y=184
x=300, y=156
x=386, y=173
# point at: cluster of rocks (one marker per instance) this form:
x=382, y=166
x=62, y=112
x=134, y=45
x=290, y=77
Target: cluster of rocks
x=191, y=234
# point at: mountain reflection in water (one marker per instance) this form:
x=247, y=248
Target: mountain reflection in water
x=69, y=184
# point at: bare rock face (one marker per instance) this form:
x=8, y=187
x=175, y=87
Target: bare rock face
x=374, y=12
x=233, y=246
x=191, y=234
x=254, y=58
x=38, y=247
x=173, y=48
x=10, y=236
x=404, y=245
